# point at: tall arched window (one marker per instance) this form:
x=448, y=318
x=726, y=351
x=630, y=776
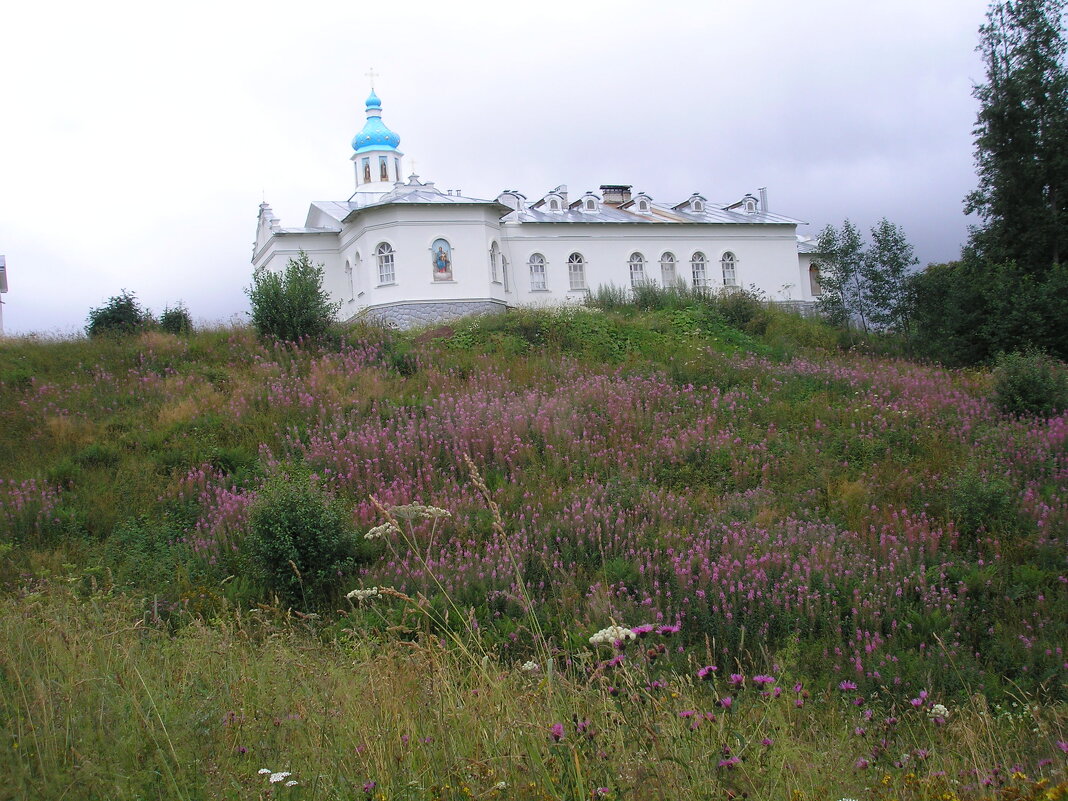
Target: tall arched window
x=539, y=282
x=495, y=263
x=668, y=276
x=637, y=269
x=356, y=278
x=384, y=255
x=348, y=277
x=730, y=274
x=576, y=271
x=814, y=285
x=697, y=269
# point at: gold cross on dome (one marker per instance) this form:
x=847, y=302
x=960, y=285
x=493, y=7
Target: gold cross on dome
x=372, y=75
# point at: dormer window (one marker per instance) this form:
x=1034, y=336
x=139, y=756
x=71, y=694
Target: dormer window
x=643, y=205
x=554, y=205
x=590, y=204
x=750, y=205
x=697, y=205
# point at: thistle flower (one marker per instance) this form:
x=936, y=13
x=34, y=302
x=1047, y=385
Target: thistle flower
x=736, y=680
x=762, y=680
x=556, y=731
x=846, y=686
x=726, y=702
x=707, y=673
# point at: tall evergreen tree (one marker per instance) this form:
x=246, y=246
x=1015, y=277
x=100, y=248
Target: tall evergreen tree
x=1021, y=146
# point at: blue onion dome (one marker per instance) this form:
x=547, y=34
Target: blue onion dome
x=375, y=135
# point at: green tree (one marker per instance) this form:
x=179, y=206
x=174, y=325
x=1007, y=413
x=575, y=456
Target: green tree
x=844, y=300
x=176, y=320
x=122, y=314
x=886, y=270
x=291, y=305
x=1021, y=144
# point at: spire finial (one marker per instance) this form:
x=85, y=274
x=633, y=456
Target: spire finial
x=372, y=75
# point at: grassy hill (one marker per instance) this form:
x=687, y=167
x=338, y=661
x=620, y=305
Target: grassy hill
x=869, y=554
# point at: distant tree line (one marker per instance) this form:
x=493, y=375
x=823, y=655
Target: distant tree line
x=123, y=314
x=1009, y=290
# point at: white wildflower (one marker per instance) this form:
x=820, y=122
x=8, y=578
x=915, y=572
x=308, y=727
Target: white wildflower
x=277, y=777
x=611, y=634
x=530, y=666
x=363, y=595
x=264, y=771
x=938, y=711
x=291, y=783
x=417, y=511
x=500, y=786
x=379, y=532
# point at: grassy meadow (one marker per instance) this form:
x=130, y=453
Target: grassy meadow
x=678, y=549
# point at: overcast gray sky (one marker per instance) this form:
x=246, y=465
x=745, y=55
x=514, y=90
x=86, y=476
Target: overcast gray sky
x=138, y=139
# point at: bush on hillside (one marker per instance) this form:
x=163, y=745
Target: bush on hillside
x=176, y=320
x=121, y=315
x=291, y=305
x=299, y=542
x=1029, y=384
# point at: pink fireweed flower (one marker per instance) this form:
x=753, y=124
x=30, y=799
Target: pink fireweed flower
x=556, y=731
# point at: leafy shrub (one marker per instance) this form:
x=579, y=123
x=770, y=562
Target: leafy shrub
x=122, y=314
x=291, y=305
x=176, y=320
x=1030, y=384
x=299, y=543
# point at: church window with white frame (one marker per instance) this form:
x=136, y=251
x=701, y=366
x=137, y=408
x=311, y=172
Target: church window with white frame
x=637, y=269
x=384, y=255
x=539, y=281
x=668, y=275
x=698, y=265
x=576, y=272
x=729, y=264
x=348, y=276
x=495, y=262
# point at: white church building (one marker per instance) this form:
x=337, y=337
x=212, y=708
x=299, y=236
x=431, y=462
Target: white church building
x=410, y=254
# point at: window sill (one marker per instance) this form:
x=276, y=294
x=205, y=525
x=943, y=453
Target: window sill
x=391, y=283
x=541, y=290
x=583, y=291
x=437, y=281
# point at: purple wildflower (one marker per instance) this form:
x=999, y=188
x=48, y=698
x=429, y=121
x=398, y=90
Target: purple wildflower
x=845, y=686
x=556, y=731
x=706, y=673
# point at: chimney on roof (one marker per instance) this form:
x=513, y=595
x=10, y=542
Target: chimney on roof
x=763, y=198
x=615, y=194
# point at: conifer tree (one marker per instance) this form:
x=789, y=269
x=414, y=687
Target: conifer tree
x=1021, y=146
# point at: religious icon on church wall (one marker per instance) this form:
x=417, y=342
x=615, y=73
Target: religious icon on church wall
x=367, y=170
x=383, y=168
x=441, y=254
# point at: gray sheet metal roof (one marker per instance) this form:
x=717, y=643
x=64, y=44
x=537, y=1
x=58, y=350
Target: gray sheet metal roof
x=807, y=245
x=657, y=214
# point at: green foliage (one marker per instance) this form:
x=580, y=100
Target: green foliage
x=980, y=503
x=292, y=305
x=840, y=266
x=886, y=269
x=1030, y=383
x=967, y=312
x=1021, y=146
x=176, y=320
x=121, y=315
x=299, y=543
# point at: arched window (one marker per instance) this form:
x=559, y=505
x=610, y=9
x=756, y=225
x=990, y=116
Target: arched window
x=538, y=280
x=698, y=205
x=504, y=274
x=576, y=271
x=750, y=206
x=637, y=269
x=348, y=277
x=384, y=255
x=697, y=269
x=591, y=205
x=495, y=262
x=357, y=261
x=730, y=275
x=814, y=281
x=554, y=205
x=668, y=276
x=643, y=205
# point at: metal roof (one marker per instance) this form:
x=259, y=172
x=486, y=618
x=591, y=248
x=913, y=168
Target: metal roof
x=3, y=274
x=656, y=214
